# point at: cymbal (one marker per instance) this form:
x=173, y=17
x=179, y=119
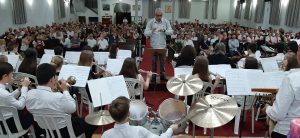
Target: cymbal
x=99, y=118
x=213, y=110
x=184, y=85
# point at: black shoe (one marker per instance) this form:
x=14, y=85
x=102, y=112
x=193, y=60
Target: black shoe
x=163, y=78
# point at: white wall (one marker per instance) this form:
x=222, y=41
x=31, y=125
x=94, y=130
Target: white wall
x=39, y=12
x=265, y=24
x=197, y=11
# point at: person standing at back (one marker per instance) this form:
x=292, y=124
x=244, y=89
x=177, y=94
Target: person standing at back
x=157, y=29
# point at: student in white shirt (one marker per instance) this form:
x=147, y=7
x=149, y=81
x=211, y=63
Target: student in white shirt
x=15, y=99
x=251, y=49
x=289, y=62
x=91, y=41
x=233, y=44
x=44, y=100
x=102, y=42
x=286, y=106
x=119, y=111
x=188, y=40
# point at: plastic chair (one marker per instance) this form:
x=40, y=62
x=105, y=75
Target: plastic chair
x=249, y=105
x=15, y=115
x=134, y=87
x=85, y=100
x=49, y=123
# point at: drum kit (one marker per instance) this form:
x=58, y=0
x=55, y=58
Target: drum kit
x=208, y=112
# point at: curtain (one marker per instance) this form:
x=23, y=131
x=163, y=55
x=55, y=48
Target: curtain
x=238, y=8
x=19, y=12
x=259, y=11
x=184, y=9
x=214, y=9
x=275, y=12
x=206, y=10
x=248, y=10
x=61, y=9
x=292, y=15
x=152, y=6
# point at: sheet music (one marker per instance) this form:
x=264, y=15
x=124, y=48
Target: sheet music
x=183, y=71
x=72, y=56
x=271, y=80
x=46, y=58
x=123, y=54
x=114, y=65
x=49, y=51
x=13, y=60
x=110, y=88
x=80, y=72
x=236, y=81
x=269, y=64
x=219, y=69
x=101, y=57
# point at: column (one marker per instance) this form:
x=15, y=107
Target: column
x=136, y=11
x=99, y=10
x=173, y=11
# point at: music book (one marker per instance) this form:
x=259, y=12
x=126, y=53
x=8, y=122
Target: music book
x=219, y=69
x=72, y=57
x=46, y=58
x=241, y=81
x=114, y=65
x=49, y=51
x=101, y=57
x=81, y=73
x=13, y=60
x=269, y=64
x=109, y=88
x=122, y=54
x=183, y=71
x=257, y=55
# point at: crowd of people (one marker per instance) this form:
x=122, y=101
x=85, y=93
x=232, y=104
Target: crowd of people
x=198, y=45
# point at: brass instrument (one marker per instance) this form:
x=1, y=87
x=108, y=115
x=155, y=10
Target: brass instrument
x=17, y=83
x=70, y=81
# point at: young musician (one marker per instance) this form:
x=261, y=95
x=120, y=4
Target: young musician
x=251, y=63
x=15, y=99
x=286, y=107
x=44, y=100
x=29, y=63
x=113, y=51
x=219, y=56
x=3, y=58
x=119, y=111
x=201, y=69
x=187, y=56
x=57, y=61
x=290, y=61
x=251, y=49
x=129, y=70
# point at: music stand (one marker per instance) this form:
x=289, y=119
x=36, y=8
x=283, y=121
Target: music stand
x=156, y=51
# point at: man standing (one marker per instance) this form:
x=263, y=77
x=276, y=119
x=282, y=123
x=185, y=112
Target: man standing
x=157, y=29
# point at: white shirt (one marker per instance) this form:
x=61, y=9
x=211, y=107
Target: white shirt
x=10, y=99
x=91, y=42
x=67, y=43
x=188, y=42
x=127, y=131
x=103, y=44
x=44, y=100
x=287, y=104
x=70, y=33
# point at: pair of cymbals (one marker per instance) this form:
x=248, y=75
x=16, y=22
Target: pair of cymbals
x=100, y=118
x=184, y=85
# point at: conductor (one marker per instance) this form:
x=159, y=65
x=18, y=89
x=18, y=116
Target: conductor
x=157, y=29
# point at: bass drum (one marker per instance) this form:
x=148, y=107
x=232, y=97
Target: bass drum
x=138, y=113
x=171, y=111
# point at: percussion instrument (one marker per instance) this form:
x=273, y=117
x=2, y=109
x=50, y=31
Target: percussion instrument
x=213, y=111
x=138, y=113
x=171, y=111
x=99, y=118
x=182, y=136
x=184, y=85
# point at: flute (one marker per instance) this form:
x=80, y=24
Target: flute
x=214, y=74
x=143, y=71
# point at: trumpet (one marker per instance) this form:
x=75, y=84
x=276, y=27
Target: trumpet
x=17, y=83
x=70, y=81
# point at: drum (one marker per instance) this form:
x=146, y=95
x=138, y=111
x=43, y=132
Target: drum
x=171, y=111
x=182, y=136
x=138, y=113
